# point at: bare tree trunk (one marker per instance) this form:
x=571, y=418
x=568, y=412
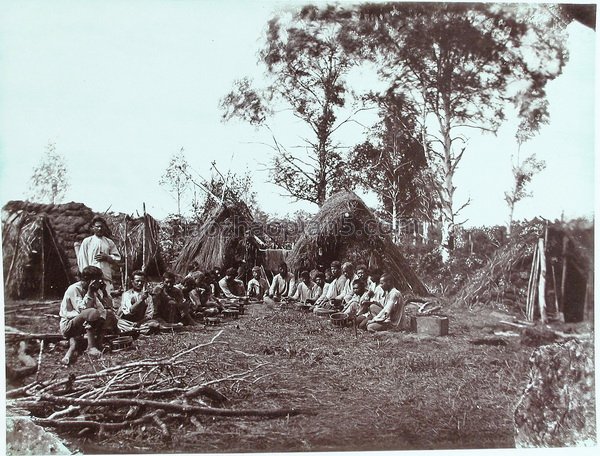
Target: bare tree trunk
x=447, y=198
x=511, y=211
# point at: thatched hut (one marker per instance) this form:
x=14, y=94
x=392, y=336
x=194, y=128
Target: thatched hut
x=346, y=229
x=137, y=240
x=70, y=224
x=505, y=279
x=228, y=237
x=61, y=228
x=34, y=263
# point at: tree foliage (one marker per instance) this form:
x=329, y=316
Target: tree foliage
x=391, y=162
x=522, y=173
x=462, y=64
x=50, y=178
x=176, y=177
x=230, y=189
x=306, y=61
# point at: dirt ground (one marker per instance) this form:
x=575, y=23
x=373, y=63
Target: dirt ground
x=387, y=391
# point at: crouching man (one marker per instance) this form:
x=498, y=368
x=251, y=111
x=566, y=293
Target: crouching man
x=83, y=310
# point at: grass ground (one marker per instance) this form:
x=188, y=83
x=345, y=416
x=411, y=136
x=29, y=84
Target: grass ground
x=388, y=391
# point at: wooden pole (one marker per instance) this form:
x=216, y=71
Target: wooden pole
x=563, y=278
x=43, y=261
x=534, y=284
x=529, y=303
x=542, y=282
x=124, y=282
x=144, y=240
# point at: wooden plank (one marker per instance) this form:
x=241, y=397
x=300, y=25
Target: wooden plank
x=542, y=281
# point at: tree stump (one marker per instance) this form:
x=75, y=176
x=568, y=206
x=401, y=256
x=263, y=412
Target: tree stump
x=557, y=408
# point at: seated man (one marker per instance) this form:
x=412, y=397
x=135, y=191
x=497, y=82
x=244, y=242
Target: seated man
x=257, y=286
x=230, y=286
x=169, y=303
x=83, y=310
x=283, y=286
x=307, y=290
x=339, y=290
x=373, y=281
x=358, y=304
x=203, y=304
x=387, y=312
x=137, y=309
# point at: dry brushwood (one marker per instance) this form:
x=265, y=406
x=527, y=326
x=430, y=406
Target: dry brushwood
x=147, y=392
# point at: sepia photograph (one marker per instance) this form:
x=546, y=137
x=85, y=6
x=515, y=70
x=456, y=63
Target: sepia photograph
x=297, y=226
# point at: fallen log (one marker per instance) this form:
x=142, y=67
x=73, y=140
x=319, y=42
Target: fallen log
x=15, y=337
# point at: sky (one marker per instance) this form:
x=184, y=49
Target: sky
x=120, y=86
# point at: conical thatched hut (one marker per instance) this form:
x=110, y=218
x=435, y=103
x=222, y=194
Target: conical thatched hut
x=228, y=237
x=346, y=229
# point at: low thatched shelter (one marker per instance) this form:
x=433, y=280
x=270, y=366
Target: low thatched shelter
x=346, y=229
x=34, y=263
x=569, y=283
x=70, y=223
x=227, y=238
x=137, y=240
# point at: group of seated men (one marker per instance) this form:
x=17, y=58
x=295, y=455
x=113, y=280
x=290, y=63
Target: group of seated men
x=87, y=306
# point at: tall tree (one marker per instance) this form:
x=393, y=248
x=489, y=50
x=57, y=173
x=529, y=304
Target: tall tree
x=306, y=63
x=176, y=177
x=50, y=178
x=460, y=63
x=391, y=161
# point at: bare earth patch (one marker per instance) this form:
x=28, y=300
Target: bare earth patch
x=388, y=391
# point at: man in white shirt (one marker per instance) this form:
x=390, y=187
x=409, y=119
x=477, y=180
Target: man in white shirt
x=83, y=310
x=387, y=312
x=137, y=308
x=100, y=251
x=283, y=286
x=230, y=286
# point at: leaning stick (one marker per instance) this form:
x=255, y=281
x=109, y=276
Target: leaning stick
x=39, y=363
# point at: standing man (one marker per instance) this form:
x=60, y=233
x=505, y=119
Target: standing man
x=100, y=251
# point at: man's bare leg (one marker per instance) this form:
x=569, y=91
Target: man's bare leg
x=92, y=348
x=71, y=352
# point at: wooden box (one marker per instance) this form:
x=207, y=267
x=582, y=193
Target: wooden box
x=433, y=325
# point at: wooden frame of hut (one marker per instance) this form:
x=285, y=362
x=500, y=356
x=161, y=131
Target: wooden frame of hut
x=345, y=229
x=138, y=241
x=227, y=238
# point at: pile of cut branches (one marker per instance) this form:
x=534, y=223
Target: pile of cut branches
x=162, y=392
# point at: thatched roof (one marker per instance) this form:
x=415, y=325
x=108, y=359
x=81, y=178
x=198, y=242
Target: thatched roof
x=137, y=240
x=34, y=265
x=228, y=236
x=70, y=223
x=346, y=229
